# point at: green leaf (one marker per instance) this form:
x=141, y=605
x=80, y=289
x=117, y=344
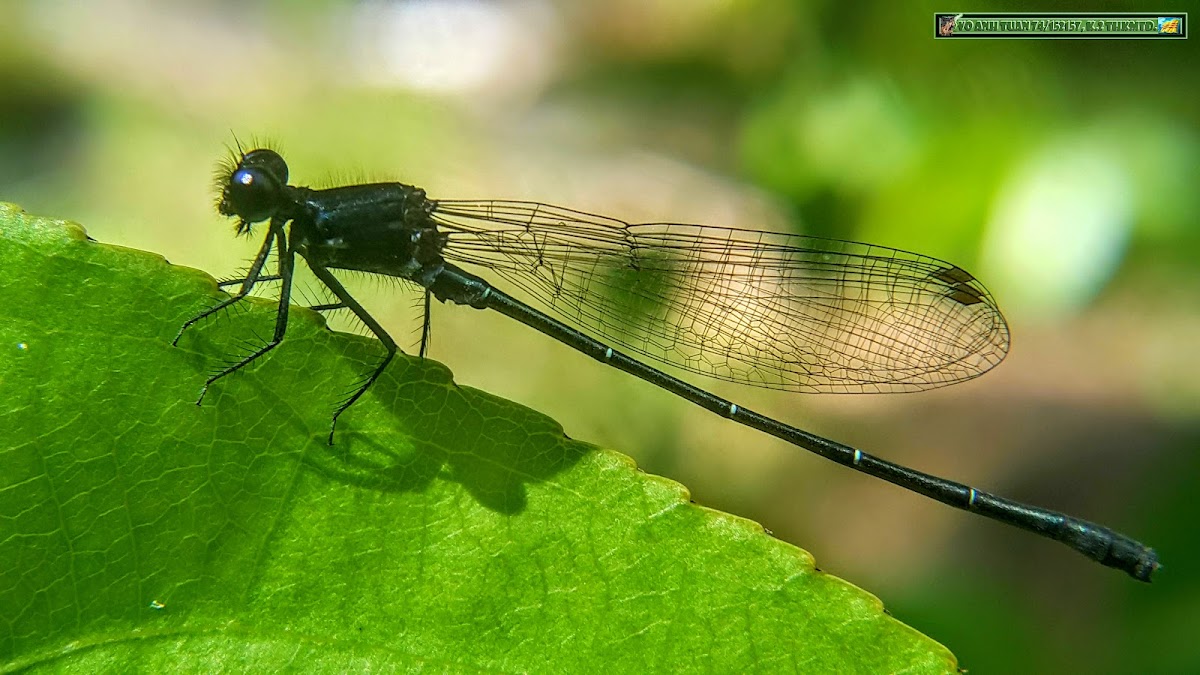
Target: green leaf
x=447, y=529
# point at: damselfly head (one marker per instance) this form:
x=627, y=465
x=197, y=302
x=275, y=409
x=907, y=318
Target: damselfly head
x=253, y=189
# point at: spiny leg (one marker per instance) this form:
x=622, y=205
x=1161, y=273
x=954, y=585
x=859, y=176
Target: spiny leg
x=286, y=263
x=425, y=324
x=252, y=278
x=261, y=279
x=346, y=299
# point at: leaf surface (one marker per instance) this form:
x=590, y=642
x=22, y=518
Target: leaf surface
x=446, y=530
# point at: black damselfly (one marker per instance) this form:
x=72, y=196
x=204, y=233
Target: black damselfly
x=782, y=311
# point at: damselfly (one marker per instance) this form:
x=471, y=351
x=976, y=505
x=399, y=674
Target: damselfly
x=782, y=311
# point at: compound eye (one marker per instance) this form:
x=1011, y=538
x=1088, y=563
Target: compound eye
x=266, y=160
x=252, y=194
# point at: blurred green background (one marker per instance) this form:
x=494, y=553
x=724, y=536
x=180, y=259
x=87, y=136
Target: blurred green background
x=1062, y=173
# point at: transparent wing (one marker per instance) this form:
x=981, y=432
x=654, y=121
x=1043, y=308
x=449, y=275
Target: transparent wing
x=773, y=310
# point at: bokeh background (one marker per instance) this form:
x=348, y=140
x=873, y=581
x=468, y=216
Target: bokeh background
x=1062, y=173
